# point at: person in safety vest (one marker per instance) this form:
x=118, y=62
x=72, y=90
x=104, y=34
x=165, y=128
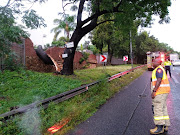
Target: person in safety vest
x=167, y=65
x=160, y=90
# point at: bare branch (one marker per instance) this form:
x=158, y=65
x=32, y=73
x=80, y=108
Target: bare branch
x=7, y=3
x=63, y=6
x=31, y=5
x=6, y=6
x=12, y=3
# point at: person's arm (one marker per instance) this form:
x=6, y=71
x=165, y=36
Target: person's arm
x=159, y=76
x=156, y=87
x=170, y=63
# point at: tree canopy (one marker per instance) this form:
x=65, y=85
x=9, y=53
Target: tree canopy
x=124, y=14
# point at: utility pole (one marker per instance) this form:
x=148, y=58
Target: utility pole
x=131, y=50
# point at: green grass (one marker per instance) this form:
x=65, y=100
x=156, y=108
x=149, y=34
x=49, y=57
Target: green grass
x=24, y=87
x=76, y=109
x=90, y=75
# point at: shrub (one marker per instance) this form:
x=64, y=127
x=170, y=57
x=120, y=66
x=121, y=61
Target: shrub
x=11, y=62
x=84, y=58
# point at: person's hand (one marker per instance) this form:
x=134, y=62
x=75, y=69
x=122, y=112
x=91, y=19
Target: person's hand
x=153, y=95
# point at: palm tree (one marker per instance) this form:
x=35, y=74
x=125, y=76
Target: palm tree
x=67, y=24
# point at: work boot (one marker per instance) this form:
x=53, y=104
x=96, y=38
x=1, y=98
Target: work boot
x=165, y=128
x=157, y=130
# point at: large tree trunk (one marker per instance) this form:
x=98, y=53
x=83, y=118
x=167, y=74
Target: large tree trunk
x=68, y=61
x=76, y=37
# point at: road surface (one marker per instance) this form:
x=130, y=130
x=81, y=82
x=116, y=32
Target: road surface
x=129, y=111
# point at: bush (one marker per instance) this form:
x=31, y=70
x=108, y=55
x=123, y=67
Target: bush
x=84, y=58
x=11, y=63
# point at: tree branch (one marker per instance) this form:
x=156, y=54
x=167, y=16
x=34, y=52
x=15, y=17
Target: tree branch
x=79, y=16
x=118, y=5
x=7, y=3
x=6, y=6
x=63, y=6
x=99, y=13
x=105, y=21
x=89, y=27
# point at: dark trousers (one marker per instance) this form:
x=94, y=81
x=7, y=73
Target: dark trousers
x=167, y=68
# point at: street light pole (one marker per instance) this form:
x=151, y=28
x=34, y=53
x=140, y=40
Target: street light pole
x=131, y=50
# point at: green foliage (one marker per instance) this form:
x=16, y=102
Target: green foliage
x=67, y=24
x=144, y=43
x=84, y=58
x=94, y=49
x=9, y=30
x=81, y=48
x=10, y=61
x=32, y=20
x=61, y=42
x=113, y=39
x=128, y=11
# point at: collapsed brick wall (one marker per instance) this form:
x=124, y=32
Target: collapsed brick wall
x=33, y=62
x=55, y=52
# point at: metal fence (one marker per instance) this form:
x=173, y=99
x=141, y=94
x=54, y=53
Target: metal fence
x=17, y=55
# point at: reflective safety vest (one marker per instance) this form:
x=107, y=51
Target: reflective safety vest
x=167, y=63
x=164, y=86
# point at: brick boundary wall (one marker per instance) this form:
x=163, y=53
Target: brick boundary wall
x=33, y=62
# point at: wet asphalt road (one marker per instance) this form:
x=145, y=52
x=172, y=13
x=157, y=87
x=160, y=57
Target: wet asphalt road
x=129, y=111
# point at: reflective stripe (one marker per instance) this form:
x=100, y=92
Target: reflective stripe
x=161, y=117
x=153, y=80
x=163, y=85
x=166, y=117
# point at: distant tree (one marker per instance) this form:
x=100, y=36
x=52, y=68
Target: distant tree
x=60, y=42
x=113, y=38
x=67, y=24
x=145, y=43
x=94, y=49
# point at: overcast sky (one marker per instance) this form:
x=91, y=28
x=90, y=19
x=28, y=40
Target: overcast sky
x=167, y=33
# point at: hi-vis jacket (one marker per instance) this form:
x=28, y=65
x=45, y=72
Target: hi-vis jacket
x=164, y=86
x=167, y=63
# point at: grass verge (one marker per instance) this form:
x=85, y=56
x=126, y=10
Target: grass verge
x=77, y=109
